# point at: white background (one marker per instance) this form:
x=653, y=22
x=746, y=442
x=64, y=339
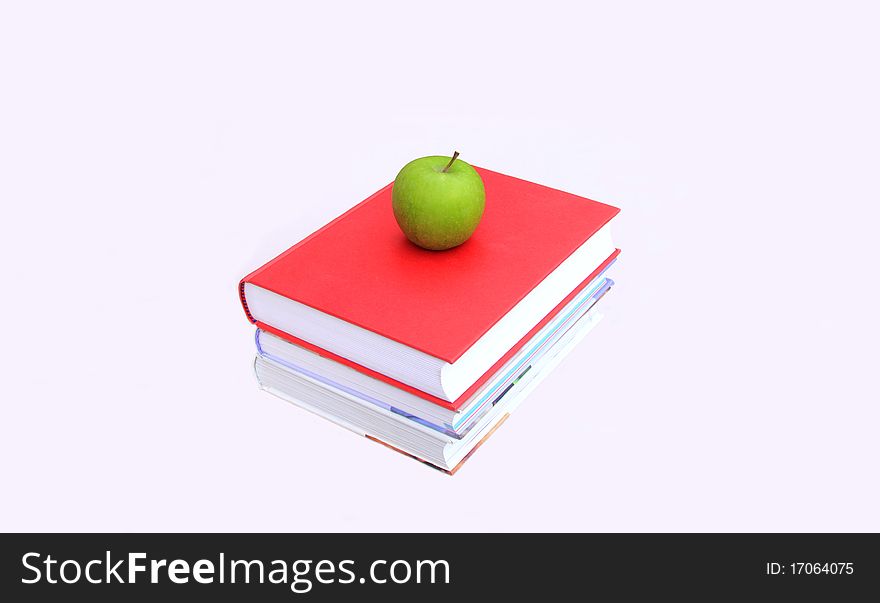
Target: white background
x=153, y=153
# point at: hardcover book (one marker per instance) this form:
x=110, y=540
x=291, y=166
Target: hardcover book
x=436, y=322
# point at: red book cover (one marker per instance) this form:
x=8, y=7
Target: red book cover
x=361, y=268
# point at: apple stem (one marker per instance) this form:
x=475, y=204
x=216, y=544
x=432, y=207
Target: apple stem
x=448, y=165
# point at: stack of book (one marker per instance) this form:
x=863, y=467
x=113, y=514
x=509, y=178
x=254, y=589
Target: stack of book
x=429, y=352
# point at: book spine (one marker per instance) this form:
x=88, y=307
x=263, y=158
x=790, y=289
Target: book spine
x=243, y=300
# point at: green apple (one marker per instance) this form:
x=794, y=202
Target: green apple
x=438, y=201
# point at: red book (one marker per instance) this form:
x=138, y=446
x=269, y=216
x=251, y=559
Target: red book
x=436, y=321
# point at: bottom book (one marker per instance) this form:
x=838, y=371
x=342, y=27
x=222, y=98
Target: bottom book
x=400, y=433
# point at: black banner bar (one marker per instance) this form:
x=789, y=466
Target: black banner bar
x=316, y=567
